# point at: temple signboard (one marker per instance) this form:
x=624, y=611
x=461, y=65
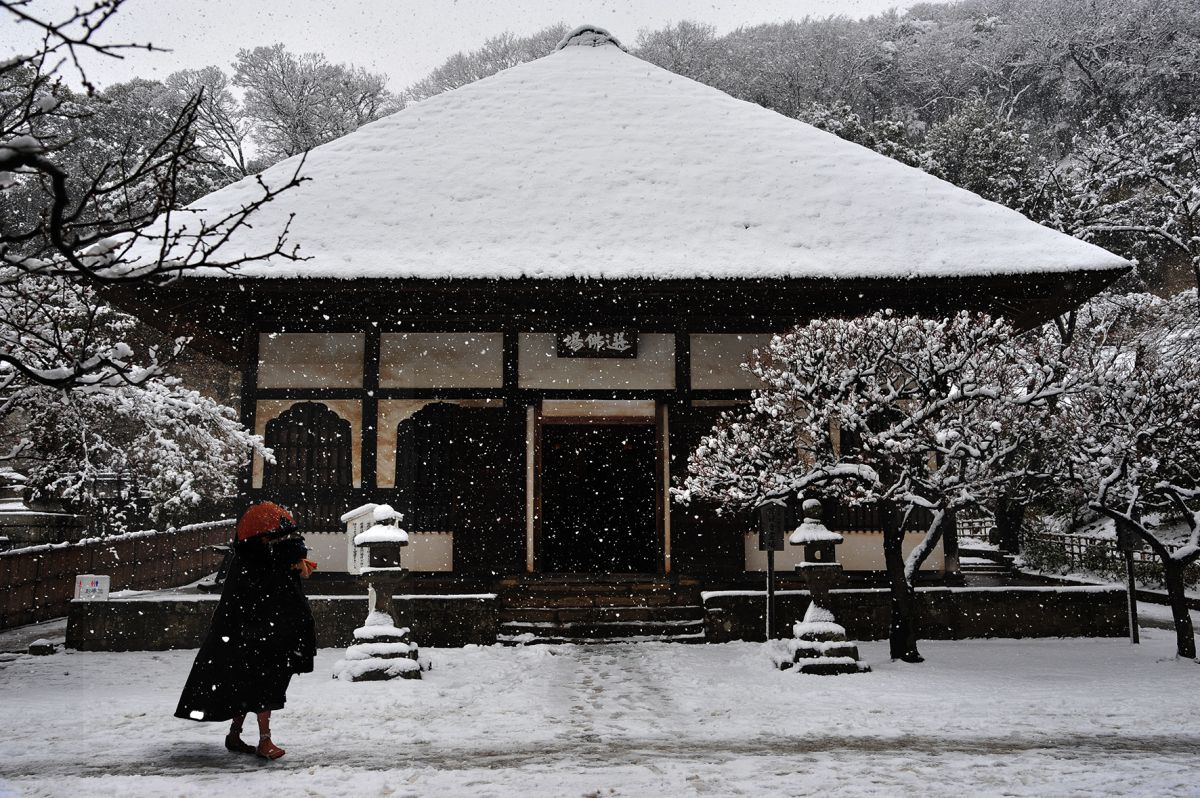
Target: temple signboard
x=597, y=343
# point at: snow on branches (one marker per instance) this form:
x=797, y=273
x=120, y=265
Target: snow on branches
x=920, y=417
x=179, y=447
x=1132, y=443
x=920, y=412
x=86, y=181
x=1134, y=185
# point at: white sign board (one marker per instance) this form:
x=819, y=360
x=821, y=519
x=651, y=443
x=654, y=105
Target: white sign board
x=91, y=587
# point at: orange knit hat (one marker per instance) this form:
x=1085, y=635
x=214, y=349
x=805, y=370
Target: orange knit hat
x=262, y=518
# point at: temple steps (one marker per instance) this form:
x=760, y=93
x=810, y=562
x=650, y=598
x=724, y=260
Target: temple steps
x=600, y=609
x=602, y=625
x=982, y=562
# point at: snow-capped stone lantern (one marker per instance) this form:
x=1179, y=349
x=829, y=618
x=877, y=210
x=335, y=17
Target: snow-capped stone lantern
x=382, y=543
x=820, y=568
x=382, y=650
x=819, y=643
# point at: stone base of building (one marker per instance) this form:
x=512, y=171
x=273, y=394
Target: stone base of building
x=168, y=621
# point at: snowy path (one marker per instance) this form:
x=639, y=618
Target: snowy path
x=1023, y=718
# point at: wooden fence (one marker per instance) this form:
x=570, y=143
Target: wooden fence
x=979, y=528
x=1083, y=551
x=38, y=583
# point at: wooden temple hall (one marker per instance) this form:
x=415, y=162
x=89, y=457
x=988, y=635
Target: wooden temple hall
x=524, y=301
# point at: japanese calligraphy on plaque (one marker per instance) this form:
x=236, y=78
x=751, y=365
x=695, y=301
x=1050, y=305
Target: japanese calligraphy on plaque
x=597, y=343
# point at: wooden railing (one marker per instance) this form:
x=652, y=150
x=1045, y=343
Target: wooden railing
x=37, y=583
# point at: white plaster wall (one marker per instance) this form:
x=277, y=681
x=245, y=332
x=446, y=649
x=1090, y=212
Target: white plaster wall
x=716, y=359
x=441, y=360
x=310, y=360
x=598, y=408
x=859, y=551
x=426, y=552
x=327, y=550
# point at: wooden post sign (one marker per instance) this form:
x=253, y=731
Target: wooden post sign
x=772, y=523
x=597, y=343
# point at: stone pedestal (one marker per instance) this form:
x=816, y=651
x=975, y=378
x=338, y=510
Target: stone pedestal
x=381, y=651
x=819, y=646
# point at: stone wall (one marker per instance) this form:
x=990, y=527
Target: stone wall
x=157, y=624
x=38, y=583
x=946, y=613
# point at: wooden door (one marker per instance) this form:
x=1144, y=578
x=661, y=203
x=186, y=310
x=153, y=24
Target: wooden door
x=462, y=469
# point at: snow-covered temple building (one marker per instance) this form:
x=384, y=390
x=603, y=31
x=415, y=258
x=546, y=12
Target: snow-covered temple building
x=523, y=301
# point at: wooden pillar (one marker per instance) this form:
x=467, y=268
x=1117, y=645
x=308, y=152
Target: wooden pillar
x=248, y=411
x=532, y=505
x=370, y=409
x=663, y=461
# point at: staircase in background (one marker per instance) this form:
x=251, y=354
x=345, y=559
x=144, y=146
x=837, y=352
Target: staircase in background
x=600, y=609
x=981, y=562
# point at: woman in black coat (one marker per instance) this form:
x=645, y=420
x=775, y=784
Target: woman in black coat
x=262, y=632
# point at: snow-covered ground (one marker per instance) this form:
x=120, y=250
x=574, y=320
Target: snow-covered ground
x=1000, y=717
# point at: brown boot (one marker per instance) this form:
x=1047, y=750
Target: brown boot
x=235, y=743
x=267, y=749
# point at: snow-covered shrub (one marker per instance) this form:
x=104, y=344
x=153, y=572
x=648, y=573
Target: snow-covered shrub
x=178, y=447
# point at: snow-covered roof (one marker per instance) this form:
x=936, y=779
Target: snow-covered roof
x=593, y=163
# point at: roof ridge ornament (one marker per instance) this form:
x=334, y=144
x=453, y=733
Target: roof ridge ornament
x=589, y=36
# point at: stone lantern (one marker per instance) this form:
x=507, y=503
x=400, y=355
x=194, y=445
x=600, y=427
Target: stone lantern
x=819, y=643
x=382, y=650
x=820, y=569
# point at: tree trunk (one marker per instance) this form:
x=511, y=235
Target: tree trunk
x=902, y=635
x=1009, y=516
x=1185, y=638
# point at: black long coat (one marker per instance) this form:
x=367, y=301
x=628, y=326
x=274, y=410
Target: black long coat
x=262, y=632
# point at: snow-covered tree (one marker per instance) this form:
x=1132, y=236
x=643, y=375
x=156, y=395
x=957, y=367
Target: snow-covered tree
x=179, y=447
x=80, y=225
x=1132, y=443
x=297, y=102
x=920, y=417
x=977, y=149
x=686, y=48
x=1134, y=185
x=221, y=124
x=890, y=137
x=497, y=53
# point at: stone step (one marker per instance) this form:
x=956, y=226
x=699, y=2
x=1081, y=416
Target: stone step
x=598, y=623
x=594, y=614
x=972, y=568
x=567, y=600
x=586, y=624
x=598, y=588
x=508, y=639
x=601, y=628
